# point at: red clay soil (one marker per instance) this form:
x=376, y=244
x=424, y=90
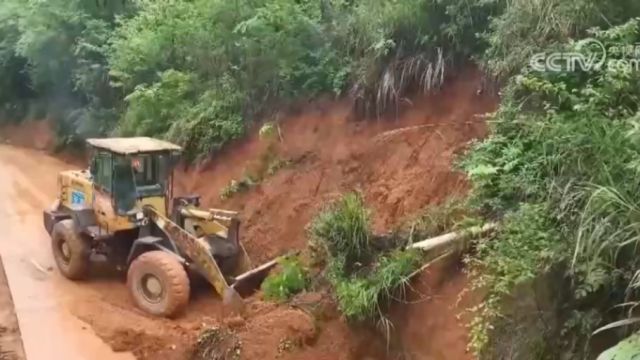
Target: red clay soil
x=272, y=331
x=401, y=166
x=432, y=322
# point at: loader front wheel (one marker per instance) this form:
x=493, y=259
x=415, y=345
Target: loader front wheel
x=158, y=283
x=70, y=251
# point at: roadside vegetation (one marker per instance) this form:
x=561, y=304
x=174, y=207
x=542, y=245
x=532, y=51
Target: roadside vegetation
x=559, y=171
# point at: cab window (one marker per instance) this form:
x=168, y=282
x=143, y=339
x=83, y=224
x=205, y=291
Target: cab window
x=149, y=174
x=146, y=170
x=102, y=171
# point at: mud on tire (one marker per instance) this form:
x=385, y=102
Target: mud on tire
x=158, y=284
x=70, y=251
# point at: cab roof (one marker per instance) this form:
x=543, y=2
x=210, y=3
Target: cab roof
x=133, y=145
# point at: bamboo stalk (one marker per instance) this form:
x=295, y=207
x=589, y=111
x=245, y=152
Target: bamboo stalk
x=453, y=237
x=447, y=240
x=262, y=268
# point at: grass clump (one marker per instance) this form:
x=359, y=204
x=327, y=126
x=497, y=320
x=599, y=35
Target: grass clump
x=363, y=298
x=365, y=280
x=290, y=280
x=343, y=229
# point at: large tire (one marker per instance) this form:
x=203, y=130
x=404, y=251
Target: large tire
x=71, y=252
x=158, y=284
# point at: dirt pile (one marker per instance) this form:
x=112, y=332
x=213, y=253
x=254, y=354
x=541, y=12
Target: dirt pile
x=112, y=315
x=286, y=327
x=295, y=331
x=432, y=322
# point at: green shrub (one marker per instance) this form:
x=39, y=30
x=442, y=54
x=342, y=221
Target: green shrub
x=364, y=280
x=153, y=109
x=365, y=297
x=197, y=71
x=526, y=245
x=213, y=121
x=625, y=349
x=291, y=279
x=343, y=228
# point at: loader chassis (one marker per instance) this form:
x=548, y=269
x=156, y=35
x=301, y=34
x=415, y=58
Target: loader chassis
x=123, y=209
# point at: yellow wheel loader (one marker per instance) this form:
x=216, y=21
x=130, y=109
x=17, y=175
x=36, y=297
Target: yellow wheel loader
x=122, y=208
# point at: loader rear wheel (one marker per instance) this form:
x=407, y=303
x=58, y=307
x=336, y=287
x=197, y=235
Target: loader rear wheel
x=158, y=283
x=70, y=251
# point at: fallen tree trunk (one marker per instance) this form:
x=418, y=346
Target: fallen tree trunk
x=454, y=238
x=266, y=267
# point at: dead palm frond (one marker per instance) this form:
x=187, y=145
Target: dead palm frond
x=399, y=78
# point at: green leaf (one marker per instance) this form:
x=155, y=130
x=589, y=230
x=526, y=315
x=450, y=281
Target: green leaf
x=627, y=349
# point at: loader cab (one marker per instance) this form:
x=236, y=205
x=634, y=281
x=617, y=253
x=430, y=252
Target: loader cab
x=128, y=173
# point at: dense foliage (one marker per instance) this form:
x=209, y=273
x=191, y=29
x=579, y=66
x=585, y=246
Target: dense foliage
x=561, y=171
x=196, y=72
x=53, y=63
x=526, y=27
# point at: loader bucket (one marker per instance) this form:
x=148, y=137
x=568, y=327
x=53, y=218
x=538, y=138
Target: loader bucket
x=245, y=281
x=248, y=283
x=245, y=285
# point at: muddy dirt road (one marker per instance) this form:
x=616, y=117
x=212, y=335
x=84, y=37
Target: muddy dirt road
x=41, y=297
